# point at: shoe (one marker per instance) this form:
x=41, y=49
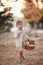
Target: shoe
x=23, y=58
x=19, y=60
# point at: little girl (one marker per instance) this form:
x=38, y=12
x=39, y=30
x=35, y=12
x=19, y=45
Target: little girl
x=20, y=38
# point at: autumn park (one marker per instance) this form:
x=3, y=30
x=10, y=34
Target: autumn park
x=30, y=12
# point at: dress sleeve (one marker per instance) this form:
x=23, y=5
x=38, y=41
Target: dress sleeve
x=15, y=34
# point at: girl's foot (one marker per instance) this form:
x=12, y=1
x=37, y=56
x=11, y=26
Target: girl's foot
x=19, y=60
x=22, y=59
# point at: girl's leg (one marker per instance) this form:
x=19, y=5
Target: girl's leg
x=21, y=53
x=22, y=56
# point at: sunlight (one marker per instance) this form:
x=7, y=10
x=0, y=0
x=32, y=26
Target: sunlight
x=16, y=7
x=16, y=10
x=34, y=1
x=40, y=4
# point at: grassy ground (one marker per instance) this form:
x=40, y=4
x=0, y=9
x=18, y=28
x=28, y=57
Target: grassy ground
x=9, y=55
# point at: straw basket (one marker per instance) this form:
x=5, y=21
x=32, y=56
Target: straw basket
x=29, y=46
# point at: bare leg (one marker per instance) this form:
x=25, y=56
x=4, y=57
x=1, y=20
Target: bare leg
x=21, y=53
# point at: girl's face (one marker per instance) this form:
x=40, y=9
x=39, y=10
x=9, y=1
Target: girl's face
x=20, y=26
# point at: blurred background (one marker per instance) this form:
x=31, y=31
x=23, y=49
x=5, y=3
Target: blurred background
x=29, y=11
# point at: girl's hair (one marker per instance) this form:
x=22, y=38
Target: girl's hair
x=18, y=22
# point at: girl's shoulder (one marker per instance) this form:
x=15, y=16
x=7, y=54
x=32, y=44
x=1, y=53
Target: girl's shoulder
x=16, y=29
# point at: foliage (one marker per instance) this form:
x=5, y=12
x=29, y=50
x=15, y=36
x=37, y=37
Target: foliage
x=31, y=12
x=6, y=21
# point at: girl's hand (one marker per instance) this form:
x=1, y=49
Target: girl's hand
x=19, y=33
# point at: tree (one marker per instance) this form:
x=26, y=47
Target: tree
x=31, y=12
x=5, y=21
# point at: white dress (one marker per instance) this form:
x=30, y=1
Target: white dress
x=19, y=40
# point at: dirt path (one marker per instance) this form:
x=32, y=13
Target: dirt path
x=9, y=55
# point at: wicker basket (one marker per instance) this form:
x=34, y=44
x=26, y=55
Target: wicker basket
x=31, y=46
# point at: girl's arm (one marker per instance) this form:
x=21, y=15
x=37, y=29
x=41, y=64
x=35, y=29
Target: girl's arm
x=17, y=34
x=27, y=39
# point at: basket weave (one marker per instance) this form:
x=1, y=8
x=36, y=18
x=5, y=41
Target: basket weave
x=27, y=47
x=31, y=46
